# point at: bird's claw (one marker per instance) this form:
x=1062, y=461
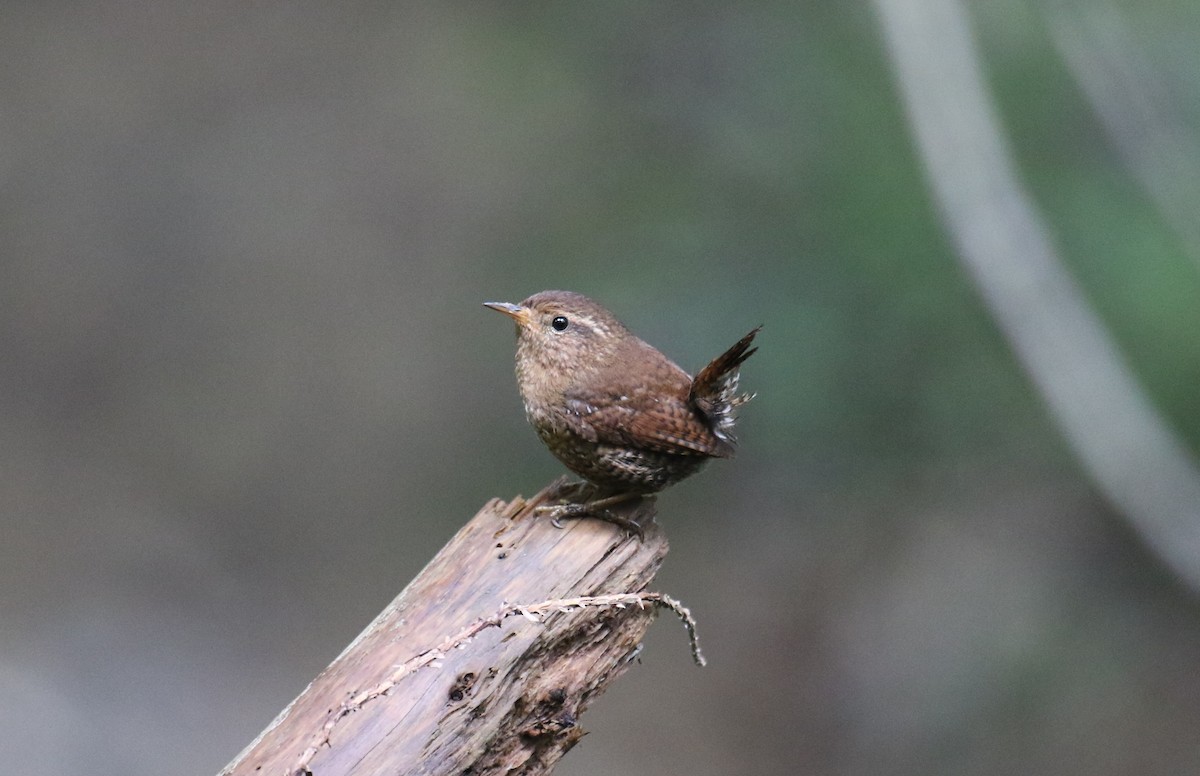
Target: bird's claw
x=560, y=512
x=575, y=511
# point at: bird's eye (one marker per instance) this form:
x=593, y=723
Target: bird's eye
x=560, y=322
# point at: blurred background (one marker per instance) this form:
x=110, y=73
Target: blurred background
x=248, y=390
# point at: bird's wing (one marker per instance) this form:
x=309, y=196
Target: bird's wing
x=664, y=424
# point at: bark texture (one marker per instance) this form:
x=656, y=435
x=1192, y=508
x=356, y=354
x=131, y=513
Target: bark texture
x=447, y=681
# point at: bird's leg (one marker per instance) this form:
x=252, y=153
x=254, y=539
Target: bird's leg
x=597, y=508
x=565, y=490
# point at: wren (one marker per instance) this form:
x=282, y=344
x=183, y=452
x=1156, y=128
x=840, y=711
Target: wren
x=615, y=410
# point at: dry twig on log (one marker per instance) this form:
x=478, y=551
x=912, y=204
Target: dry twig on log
x=448, y=680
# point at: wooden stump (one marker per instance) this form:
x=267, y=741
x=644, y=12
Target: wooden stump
x=445, y=681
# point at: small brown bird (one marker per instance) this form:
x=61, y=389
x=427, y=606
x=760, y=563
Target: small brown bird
x=612, y=408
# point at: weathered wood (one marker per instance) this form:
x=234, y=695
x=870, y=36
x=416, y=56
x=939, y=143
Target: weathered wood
x=504, y=695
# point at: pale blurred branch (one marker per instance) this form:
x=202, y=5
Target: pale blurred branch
x=1129, y=451
x=1136, y=109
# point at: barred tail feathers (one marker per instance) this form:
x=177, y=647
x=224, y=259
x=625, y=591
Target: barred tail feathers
x=714, y=389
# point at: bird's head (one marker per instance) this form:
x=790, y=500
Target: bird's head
x=560, y=334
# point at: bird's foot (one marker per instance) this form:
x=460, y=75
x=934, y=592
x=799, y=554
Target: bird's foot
x=599, y=509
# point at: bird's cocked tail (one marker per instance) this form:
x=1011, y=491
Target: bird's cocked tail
x=714, y=389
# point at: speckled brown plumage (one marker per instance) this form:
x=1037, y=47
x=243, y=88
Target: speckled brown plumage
x=612, y=408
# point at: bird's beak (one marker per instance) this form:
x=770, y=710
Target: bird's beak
x=515, y=311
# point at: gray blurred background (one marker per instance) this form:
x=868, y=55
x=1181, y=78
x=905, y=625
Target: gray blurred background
x=247, y=387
